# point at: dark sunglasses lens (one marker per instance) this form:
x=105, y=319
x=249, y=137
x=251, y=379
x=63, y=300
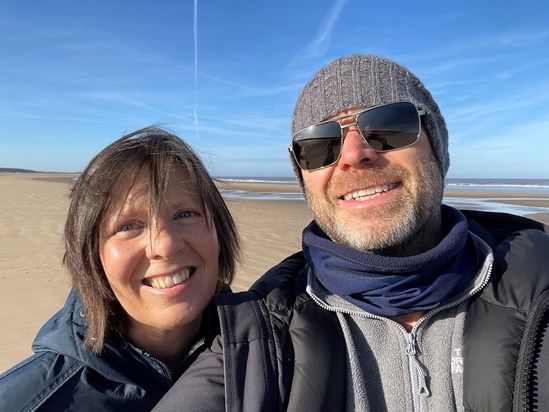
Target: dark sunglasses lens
x=317, y=146
x=391, y=126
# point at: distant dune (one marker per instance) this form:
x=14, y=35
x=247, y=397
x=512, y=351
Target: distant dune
x=12, y=170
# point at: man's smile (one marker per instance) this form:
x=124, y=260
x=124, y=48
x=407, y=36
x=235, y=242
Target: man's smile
x=369, y=192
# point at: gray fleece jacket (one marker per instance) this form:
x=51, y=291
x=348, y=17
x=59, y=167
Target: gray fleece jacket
x=390, y=369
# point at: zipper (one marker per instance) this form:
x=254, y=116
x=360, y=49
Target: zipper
x=418, y=373
x=143, y=352
x=164, y=367
x=196, y=346
x=525, y=374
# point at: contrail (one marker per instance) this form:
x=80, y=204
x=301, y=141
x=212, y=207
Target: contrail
x=196, y=67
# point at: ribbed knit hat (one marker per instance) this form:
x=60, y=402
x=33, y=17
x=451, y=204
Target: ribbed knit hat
x=365, y=81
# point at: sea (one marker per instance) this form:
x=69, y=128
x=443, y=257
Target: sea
x=526, y=189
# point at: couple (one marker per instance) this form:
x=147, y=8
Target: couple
x=397, y=302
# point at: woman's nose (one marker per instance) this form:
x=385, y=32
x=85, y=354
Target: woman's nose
x=164, y=243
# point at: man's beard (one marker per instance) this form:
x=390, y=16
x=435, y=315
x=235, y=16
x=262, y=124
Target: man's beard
x=408, y=224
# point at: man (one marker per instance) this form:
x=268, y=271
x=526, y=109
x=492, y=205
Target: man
x=397, y=302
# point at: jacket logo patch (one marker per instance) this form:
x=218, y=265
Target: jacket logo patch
x=457, y=361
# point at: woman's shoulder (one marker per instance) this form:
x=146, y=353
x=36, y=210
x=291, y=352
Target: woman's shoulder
x=61, y=373
x=32, y=381
x=56, y=381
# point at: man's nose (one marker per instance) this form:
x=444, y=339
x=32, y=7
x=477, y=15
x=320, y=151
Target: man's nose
x=355, y=152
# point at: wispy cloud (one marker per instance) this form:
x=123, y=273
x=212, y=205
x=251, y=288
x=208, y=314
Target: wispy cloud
x=496, y=41
x=239, y=90
x=317, y=48
x=320, y=43
x=479, y=111
x=503, y=152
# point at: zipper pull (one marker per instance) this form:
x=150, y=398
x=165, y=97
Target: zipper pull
x=422, y=374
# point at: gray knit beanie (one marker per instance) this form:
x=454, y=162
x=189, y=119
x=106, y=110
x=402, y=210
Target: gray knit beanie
x=364, y=81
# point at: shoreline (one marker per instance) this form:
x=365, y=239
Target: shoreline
x=478, y=200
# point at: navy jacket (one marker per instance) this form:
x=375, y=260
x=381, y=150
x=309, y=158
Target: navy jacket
x=62, y=376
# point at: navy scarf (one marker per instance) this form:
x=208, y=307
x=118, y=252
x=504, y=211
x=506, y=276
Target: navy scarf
x=395, y=286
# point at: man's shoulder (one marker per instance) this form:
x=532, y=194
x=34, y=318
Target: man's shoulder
x=499, y=226
x=503, y=231
x=289, y=275
x=521, y=263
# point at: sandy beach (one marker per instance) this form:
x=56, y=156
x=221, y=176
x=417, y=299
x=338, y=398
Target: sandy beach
x=32, y=215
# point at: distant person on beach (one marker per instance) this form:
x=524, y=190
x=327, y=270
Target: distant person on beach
x=397, y=302
x=148, y=241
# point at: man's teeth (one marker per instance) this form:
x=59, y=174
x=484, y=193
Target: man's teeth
x=169, y=281
x=369, y=192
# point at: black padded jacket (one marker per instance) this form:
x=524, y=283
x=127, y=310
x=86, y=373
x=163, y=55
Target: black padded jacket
x=283, y=352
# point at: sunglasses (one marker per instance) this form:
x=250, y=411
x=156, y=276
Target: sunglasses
x=384, y=128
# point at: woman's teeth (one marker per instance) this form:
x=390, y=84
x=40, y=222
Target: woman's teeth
x=169, y=281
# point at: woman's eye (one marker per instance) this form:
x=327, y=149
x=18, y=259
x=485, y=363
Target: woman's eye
x=127, y=227
x=185, y=214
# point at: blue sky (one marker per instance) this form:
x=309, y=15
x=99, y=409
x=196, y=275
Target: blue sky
x=224, y=75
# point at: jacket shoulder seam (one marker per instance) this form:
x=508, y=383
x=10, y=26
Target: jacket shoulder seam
x=54, y=385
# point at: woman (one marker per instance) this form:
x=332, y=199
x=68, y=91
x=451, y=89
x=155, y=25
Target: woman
x=148, y=241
